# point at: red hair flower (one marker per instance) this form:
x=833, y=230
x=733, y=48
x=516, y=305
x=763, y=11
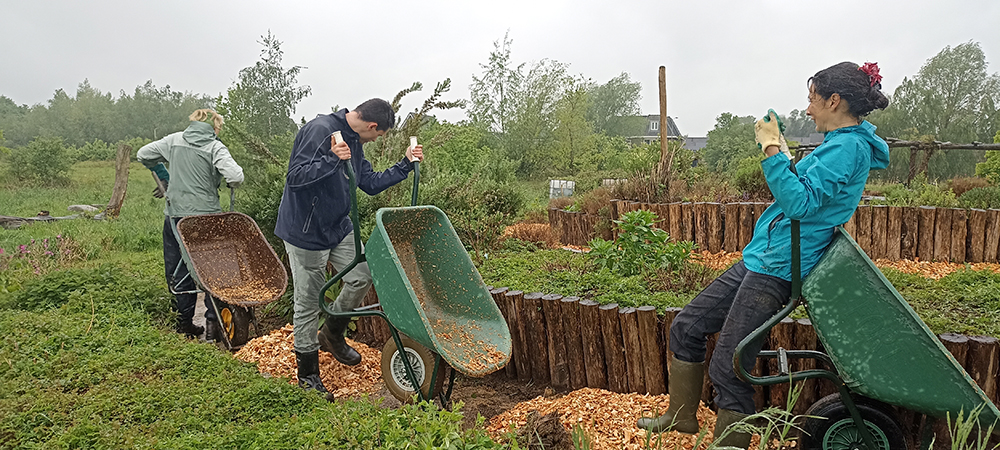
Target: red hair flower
x=871, y=69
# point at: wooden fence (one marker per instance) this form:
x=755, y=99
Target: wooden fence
x=883, y=232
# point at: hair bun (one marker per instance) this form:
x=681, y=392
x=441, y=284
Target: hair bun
x=877, y=98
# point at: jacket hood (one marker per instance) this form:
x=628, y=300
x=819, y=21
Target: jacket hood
x=199, y=134
x=880, y=150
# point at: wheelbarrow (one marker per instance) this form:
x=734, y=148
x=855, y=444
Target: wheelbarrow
x=229, y=260
x=435, y=303
x=878, y=353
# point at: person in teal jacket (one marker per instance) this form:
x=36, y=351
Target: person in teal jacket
x=822, y=195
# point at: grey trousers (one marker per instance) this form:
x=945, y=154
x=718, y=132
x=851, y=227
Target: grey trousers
x=308, y=278
x=734, y=305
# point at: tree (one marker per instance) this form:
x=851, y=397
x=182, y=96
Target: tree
x=613, y=104
x=493, y=93
x=731, y=141
x=264, y=97
x=574, y=134
x=798, y=124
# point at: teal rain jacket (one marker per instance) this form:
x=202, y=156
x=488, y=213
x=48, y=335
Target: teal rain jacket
x=198, y=164
x=825, y=194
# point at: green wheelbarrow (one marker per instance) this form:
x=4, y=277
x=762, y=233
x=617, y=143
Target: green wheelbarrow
x=436, y=305
x=878, y=351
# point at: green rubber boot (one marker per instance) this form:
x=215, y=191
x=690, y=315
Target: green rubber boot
x=685, y=383
x=734, y=438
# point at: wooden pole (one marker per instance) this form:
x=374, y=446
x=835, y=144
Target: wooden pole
x=572, y=327
x=851, y=226
x=629, y=322
x=538, y=341
x=864, y=224
x=687, y=221
x=908, y=231
x=983, y=352
x=701, y=225
x=666, y=157
x=558, y=364
x=515, y=303
x=805, y=339
x=676, y=220
x=992, y=235
x=925, y=222
x=959, y=232
x=747, y=222
x=781, y=336
x=593, y=344
x=894, y=233
x=957, y=345
x=976, y=239
x=942, y=234
x=758, y=210
x=731, y=232
x=708, y=388
x=649, y=340
x=122, y=160
x=668, y=319
x=880, y=231
x=500, y=297
x=714, y=215
x=614, y=348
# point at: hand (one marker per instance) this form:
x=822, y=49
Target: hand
x=415, y=153
x=233, y=185
x=340, y=149
x=159, y=193
x=767, y=131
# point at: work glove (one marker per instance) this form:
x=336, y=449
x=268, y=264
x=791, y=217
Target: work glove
x=767, y=131
x=157, y=192
x=783, y=148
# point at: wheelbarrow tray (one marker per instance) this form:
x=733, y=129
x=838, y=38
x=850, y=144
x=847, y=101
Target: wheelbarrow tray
x=431, y=291
x=879, y=345
x=229, y=257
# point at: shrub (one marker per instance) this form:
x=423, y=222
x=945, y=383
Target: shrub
x=639, y=247
x=42, y=161
x=981, y=197
x=749, y=178
x=965, y=184
x=990, y=169
x=920, y=192
x=561, y=202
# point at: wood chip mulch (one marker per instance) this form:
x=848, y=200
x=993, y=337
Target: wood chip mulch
x=608, y=419
x=274, y=356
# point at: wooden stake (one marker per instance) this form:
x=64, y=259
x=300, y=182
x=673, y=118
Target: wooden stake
x=925, y=237
x=593, y=344
x=805, y=339
x=731, y=233
x=958, y=346
x=668, y=319
x=500, y=297
x=976, y=238
x=880, y=231
x=666, y=157
x=633, y=350
x=781, y=337
x=983, y=352
x=894, y=233
x=538, y=341
x=572, y=327
x=864, y=224
x=942, y=234
x=908, y=231
x=515, y=304
x=687, y=221
x=121, y=181
x=851, y=226
x=708, y=388
x=614, y=348
x=959, y=232
x=992, y=235
x=652, y=360
x=558, y=365
x=676, y=220
x=714, y=221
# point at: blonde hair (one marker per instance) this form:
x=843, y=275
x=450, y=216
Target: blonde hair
x=208, y=116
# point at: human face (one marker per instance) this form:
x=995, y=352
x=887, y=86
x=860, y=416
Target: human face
x=370, y=134
x=818, y=109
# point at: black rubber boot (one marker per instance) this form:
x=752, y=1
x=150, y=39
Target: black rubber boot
x=308, y=373
x=685, y=383
x=331, y=339
x=213, y=332
x=734, y=438
x=189, y=329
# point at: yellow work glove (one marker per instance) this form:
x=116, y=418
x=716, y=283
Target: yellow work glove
x=783, y=148
x=767, y=131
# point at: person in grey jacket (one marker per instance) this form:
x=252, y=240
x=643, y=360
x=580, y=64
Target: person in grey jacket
x=198, y=164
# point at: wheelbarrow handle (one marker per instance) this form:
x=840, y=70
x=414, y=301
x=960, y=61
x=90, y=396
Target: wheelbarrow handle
x=416, y=181
x=359, y=256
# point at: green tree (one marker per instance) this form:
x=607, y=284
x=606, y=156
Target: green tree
x=731, y=141
x=613, y=104
x=493, y=93
x=574, y=134
x=263, y=99
x=798, y=124
x=42, y=161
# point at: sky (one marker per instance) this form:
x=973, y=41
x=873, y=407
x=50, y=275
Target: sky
x=738, y=56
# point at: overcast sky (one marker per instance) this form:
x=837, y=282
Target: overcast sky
x=740, y=56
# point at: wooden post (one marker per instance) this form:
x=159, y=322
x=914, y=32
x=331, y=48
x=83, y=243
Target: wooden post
x=880, y=231
x=851, y=226
x=500, y=297
x=649, y=340
x=758, y=210
x=893, y=234
x=864, y=224
x=805, y=339
x=942, y=234
x=957, y=345
x=593, y=344
x=992, y=235
x=122, y=160
x=570, y=311
x=687, y=221
x=925, y=238
x=983, y=352
x=666, y=156
x=668, y=319
x=959, y=232
x=976, y=239
x=781, y=337
x=676, y=219
x=908, y=231
x=629, y=321
x=715, y=230
x=558, y=365
x=614, y=348
x=537, y=340
x=701, y=225
x=731, y=233
x=708, y=388
x=515, y=304
x=747, y=222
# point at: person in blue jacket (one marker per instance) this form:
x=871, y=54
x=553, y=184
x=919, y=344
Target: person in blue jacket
x=314, y=223
x=822, y=196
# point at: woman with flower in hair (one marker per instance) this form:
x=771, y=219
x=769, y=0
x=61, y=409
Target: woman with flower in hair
x=821, y=194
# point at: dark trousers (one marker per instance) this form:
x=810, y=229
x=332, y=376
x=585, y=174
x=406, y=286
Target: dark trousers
x=183, y=303
x=734, y=305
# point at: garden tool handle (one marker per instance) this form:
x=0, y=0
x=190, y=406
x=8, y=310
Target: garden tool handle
x=232, y=199
x=796, y=245
x=359, y=256
x=416, y=180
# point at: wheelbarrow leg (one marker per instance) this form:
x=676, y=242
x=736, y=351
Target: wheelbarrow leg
x=859, y=422
x=406, y=362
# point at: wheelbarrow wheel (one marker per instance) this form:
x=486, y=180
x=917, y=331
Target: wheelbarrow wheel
x=829, y=426
x=236, y=323
x=421, y=360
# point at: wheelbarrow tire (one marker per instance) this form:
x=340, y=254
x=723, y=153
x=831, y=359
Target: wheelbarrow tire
x=829, y=426
x=236, y=321
x=422, y=359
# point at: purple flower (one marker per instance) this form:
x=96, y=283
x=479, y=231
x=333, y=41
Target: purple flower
x=23, y=248
x=1, y=250
x=48, y=253
x=59, y=235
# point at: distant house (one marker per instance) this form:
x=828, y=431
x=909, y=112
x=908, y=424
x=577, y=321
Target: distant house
x=649, y=130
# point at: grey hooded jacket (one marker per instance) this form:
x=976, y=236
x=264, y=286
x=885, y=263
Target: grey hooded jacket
x=198, y=163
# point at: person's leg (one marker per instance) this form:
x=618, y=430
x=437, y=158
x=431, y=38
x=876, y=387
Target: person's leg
x=356, y=285
x=308, y=277
x=702, y=316
x=183, y=303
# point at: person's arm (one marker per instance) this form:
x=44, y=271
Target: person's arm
x=227, y=166
x=153, y=154
x=802, y=195
x=372, y=182
x=314, y=161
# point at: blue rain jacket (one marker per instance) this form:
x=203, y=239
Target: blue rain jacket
x=825, y=194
